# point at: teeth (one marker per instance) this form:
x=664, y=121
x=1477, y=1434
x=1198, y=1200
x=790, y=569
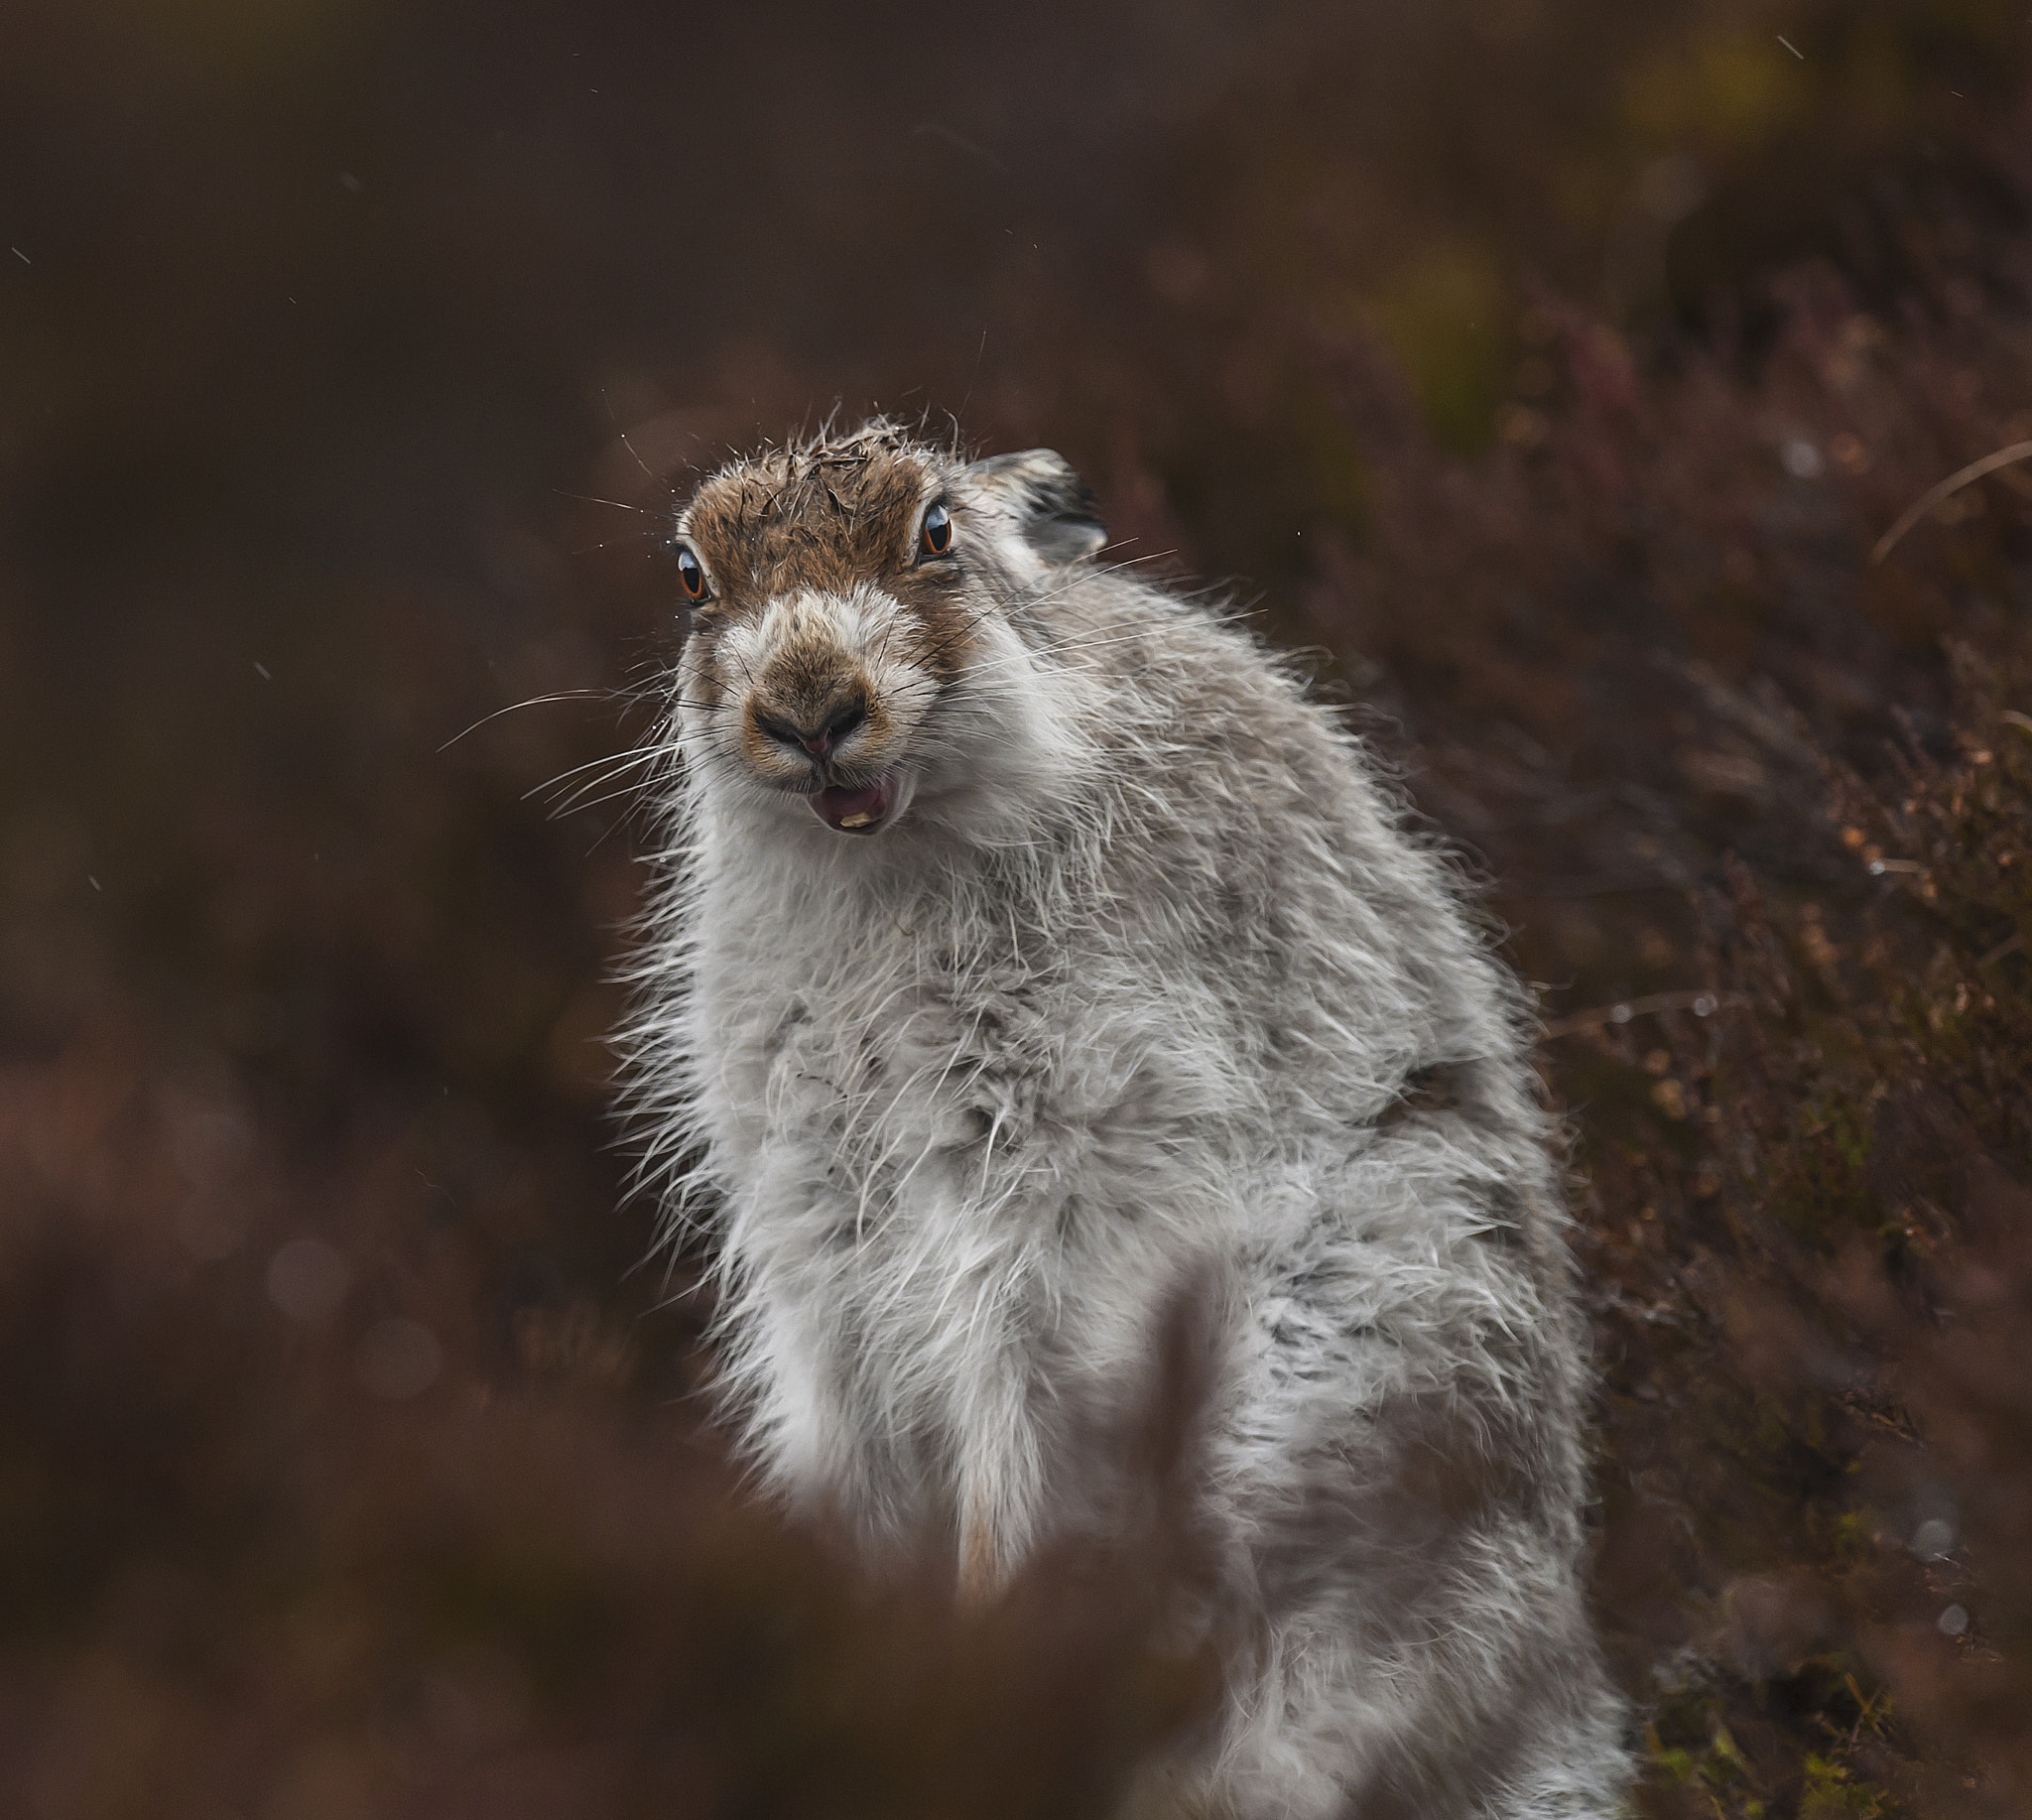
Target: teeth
x=855, y=821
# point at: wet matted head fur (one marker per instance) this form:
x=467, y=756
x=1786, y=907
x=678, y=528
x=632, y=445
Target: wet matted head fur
x=861, y=607
x=1029, y=952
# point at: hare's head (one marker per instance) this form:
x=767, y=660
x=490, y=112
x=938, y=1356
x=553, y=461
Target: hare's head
x=865, y=644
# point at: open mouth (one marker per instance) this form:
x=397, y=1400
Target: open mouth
x=860, y=811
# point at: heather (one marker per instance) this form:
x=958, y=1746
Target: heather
x=1547, y=374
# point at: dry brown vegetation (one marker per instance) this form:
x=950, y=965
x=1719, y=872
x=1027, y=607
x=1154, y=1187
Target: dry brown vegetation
x=1552, y=370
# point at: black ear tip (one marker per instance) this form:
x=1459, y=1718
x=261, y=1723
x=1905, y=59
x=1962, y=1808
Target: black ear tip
x=1062, y=517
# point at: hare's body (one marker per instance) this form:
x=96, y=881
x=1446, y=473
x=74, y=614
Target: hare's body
x=1104, y=968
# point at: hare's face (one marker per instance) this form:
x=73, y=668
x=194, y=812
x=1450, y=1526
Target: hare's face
x=854, y=606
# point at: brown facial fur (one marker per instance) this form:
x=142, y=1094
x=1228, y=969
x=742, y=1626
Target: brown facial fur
x=829, y=517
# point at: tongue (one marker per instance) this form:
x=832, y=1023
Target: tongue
x=854, y=812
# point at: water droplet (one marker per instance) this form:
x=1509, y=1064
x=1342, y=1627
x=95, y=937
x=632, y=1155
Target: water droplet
x=1932, y=1538
x=1802, y=459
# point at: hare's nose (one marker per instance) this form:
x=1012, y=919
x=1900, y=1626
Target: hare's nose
x=818, y=739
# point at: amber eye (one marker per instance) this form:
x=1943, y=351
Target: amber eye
x=690, y=573
x=934, y=535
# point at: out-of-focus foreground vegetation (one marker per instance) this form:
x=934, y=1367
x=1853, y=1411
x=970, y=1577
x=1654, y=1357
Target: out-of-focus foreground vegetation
x=1550, y=368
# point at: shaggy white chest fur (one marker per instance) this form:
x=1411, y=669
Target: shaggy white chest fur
x=956, y=1139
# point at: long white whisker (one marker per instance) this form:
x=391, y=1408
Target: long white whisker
x=619, y=505
x=633, y=753
x=564, y=802
x=577, y=801
x=535, y=701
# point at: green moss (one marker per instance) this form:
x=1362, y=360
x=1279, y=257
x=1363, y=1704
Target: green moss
x=1832, y=1790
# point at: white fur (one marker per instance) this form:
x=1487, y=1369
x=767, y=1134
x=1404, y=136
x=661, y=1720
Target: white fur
x=1129, y=994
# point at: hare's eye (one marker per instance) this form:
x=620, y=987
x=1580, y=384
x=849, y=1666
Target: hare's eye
x=690, y=573
x=934, y=535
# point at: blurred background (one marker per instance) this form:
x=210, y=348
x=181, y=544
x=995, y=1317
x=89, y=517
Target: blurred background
x=1548, y=371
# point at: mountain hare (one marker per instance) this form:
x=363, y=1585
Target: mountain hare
x=1030, y=949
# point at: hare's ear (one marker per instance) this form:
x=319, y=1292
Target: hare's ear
x=1050, y=507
